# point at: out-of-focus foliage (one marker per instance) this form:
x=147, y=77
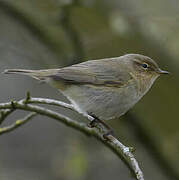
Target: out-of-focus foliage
x=53, y=33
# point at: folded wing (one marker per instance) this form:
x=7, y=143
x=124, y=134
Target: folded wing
x=98, y=72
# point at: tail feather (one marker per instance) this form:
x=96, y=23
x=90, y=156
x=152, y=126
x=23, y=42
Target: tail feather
x=37, y=74
x=32, y=73
x=17, y=71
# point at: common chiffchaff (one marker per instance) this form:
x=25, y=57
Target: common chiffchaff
x=106, y=88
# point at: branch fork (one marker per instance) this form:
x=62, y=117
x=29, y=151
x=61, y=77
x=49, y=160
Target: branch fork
x=123, y=152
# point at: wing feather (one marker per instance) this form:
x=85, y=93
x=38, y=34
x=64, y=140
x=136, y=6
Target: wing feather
x=99, y=72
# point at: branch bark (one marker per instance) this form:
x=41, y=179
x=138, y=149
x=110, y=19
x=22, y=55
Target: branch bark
x=17, y=124
x=123, y=152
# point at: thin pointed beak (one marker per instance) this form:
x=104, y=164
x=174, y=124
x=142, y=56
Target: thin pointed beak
x=160, y=71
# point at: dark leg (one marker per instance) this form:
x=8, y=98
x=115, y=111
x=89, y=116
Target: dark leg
x=97, y=120
x=93, y=123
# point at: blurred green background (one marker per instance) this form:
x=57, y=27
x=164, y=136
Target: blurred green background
x=56, y=33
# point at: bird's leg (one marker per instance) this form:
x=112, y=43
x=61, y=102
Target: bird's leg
x=97, y=120
x=93, y=123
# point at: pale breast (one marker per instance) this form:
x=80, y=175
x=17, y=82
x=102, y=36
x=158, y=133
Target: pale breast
x=104, y=102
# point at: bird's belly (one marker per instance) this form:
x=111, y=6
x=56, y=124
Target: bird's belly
x=104, y=102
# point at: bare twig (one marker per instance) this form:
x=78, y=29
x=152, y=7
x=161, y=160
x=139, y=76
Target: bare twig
x=17, y=124
x=4, y=114
x=55, y=103
x=50, y=102
x=114, y=144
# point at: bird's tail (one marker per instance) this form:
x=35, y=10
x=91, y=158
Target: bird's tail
x=37, y=74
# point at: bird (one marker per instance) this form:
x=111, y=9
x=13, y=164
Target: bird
x=104, y=88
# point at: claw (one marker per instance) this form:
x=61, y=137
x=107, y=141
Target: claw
x=96, y=121
x=92, y=124
x=105, y=135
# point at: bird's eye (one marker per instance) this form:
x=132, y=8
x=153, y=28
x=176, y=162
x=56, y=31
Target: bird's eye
x=144, y=65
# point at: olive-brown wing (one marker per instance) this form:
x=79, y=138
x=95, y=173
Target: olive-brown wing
x=98, y=72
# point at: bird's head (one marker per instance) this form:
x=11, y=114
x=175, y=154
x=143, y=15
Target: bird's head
x=144, y=69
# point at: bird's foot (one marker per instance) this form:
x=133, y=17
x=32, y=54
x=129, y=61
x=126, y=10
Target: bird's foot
x=96, y=121
x=92, y=124
x=107, y=134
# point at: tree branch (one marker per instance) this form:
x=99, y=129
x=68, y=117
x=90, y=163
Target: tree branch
x=17, y=124
x=4, y=114
x=123, y=152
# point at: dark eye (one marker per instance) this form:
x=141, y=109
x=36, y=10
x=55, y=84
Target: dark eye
x=144, y=65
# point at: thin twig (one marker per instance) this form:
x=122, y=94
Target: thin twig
x=49, y=102
x=17, y=124
x=4, y=114
x=55, y=103
x=117, y=147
